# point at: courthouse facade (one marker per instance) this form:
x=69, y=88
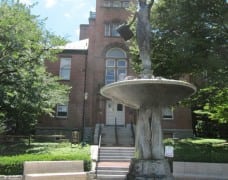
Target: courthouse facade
x=101, y=57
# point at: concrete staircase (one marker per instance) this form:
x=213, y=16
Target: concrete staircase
x=114, y=162
x=115, y=153
x=124, y=136
x=108, y=136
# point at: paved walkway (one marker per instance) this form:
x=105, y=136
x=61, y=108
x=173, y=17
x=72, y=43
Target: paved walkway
x=114, y=164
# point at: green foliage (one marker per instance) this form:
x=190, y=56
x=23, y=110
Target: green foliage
x=215, y=106
x=26, y=89
x=200, y=150
x=11, y=162
x=190, y=37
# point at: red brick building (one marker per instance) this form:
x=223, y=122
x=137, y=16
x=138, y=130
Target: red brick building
x=101, y=57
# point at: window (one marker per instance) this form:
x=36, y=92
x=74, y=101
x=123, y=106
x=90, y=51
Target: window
x=116, y=4
x=116, y=65
x=62, y=110
x=107, y=3
x=125, y=4
x=119, y=107
x=110, y=29
x=110, y=71
x=167, y=113
x=65, y=66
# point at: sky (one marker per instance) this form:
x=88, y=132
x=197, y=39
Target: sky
x=63, y=16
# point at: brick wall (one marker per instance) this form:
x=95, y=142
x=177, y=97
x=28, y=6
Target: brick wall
x=76, y=97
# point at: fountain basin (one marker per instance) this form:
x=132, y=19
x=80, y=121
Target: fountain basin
x=148, y=96
x=139, y=93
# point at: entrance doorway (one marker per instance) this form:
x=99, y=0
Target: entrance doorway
x=114, y=112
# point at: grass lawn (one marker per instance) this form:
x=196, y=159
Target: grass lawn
x=199, y=150
x=12, y=156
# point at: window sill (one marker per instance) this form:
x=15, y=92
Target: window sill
x=61, y=117
x=112, y=36
x=167, y=119
x=111, y=7
x=64, y=79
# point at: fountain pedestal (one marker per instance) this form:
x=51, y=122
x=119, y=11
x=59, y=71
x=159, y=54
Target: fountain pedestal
x=149, y=96
x=149, y=170
x=149, y=149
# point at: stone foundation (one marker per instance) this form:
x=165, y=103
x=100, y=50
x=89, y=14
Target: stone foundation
x=149, y=170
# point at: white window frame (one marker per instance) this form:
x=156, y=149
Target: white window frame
x=116, y=69
x=110, y=30
x=125, y=4
x=107, y=3
x=65, y=65
x=115, y=55
x=108, y=80
x=116, y=4
x=107, y=29
x=167, y=113
x=58, y=110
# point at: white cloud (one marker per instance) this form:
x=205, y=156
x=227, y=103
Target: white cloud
x=50, y=3
x=26, y=2
x=68, y=15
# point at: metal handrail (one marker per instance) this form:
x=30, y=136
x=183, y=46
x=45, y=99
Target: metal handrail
x=116, y=134
x=99, y=146
x=99, y=133
x=133, y=132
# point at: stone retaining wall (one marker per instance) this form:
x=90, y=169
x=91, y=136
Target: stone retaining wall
x=192, y=170
x=183, y=170
x=18, y=177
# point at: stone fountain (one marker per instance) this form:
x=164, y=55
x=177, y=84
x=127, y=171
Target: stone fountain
x=149, y=95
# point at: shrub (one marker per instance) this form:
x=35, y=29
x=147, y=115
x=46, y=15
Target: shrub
x=13, y=164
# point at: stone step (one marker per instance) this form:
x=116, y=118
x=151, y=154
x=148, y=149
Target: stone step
x=116, y=154
x=114, y=160
x=112, y=172
x=119, y=148
x=114, y=168
x=110, y=177
x=57, y=176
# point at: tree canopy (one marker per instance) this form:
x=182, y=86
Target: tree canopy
x=190, y=37
x=27, y=90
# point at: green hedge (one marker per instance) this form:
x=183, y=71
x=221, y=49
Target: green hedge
x=199, y=150
x=12, y=164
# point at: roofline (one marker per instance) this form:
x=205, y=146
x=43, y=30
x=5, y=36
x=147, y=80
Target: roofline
x=78, y=51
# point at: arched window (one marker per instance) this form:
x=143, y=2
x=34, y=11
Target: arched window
x=116, y=65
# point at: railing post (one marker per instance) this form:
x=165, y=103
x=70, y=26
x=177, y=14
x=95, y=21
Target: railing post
x=99, y=145
x=116, y=134
x=133, y=132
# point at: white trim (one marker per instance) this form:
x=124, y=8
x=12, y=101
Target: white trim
x=169, y=111
x=65, y=65
x=57, y=110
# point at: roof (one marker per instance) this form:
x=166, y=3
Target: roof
x=77, y=45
